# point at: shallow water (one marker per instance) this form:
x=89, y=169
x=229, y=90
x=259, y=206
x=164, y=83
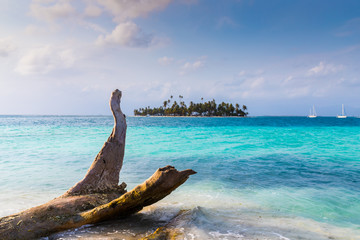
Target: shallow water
x=258, y=178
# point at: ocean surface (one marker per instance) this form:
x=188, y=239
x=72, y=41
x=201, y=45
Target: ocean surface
x=258, y=177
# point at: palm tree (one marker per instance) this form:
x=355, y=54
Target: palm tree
x=191, y=108
x=237, y=110
x=165, y=104
x=244, y=110
x=232, y=109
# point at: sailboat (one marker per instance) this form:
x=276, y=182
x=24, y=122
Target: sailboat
x=313, y=113
x=342, y=113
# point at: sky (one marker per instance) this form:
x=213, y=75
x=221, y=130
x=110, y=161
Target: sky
x=279, y=57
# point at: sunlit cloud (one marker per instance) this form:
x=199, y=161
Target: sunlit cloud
x=127, y=34
x=6, y=47
x=193, y=66
x=165, y=60
x=50, y=12
x=92, y=26
x=287, y=80
x=241, y=73
x=124, y=10
x=324, y=69
x=92, y=10
x=44, y=60
x=260, y=84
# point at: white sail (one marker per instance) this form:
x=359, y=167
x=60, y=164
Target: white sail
x=342, y=112
x=312, y=113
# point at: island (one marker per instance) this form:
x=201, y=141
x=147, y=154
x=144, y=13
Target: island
x=171, y=107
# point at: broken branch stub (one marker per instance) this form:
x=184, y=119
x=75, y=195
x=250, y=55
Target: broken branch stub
x=103, y=174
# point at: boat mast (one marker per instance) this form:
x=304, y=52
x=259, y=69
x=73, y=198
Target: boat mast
x=314, y=113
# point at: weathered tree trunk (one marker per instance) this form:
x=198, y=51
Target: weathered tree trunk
x=103, y=174
x=98, y=196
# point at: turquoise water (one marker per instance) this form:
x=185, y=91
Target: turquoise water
x=262, y=177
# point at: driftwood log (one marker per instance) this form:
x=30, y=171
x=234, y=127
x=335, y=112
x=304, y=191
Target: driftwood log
x=98, y=196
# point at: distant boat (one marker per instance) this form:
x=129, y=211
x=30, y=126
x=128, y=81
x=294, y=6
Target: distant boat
x=312, y=113
x=342, y=113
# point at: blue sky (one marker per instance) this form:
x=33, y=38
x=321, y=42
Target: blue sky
x=277, y=57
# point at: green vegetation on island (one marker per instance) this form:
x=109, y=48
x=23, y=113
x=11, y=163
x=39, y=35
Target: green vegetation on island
x=171, y=108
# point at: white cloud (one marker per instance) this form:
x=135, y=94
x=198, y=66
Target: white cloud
x=241, y=73
x=6, y=47
x=92, y=11
x=321, y=80
x=257, y=82
x=93, y=26
x=127, y=34
x=34, y=30
x=50, y=12
x=297, y=92
x=37, y=31
x=252, y=83
x=123, y=10
x=287, y=80
x=246, y=87
x=44, y=60
x=192, y=66
x=324, y=69
x=165, y=60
